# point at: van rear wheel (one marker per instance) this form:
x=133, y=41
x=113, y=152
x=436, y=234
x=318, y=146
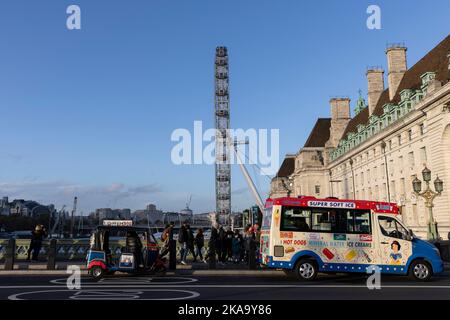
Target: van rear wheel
x=306, y=269
x=96, y=272
x=420, y=270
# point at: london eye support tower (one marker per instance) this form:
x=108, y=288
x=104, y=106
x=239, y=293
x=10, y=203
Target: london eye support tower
x=222, y=117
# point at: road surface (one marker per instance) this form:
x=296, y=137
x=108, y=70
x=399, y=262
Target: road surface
x=223, y=287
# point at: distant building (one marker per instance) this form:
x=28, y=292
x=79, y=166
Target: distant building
x=112, y=214
x=150, y=213
x=186, y=214
x=24, y=208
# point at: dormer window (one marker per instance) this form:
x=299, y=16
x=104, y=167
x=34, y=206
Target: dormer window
x=427, y=77
x=405, y=94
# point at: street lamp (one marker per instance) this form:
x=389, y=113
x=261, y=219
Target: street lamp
x=429, y=196
x=287, y=187
x=383, y=150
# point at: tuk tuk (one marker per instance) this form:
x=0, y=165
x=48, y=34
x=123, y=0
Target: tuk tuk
x=139, y=255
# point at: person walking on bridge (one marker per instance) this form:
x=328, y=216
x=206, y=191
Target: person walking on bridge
x=37, y=235
x=183, y=240
x=199, y=244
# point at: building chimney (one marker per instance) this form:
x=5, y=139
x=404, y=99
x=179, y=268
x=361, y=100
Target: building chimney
x=375, y=85
x=340, y=116
x=340, y=108
x=396, y=56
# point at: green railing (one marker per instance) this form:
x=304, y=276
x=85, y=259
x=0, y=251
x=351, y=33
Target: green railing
x=66, y=249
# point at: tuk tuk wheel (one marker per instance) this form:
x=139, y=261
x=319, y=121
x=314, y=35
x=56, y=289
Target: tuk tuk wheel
x=420, y=270
x=96, y=272
x=306, y=269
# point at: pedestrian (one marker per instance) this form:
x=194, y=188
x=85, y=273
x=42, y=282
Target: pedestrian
x=213, y=242
x=182, y=239
x=190, y=241
x=199, y=244
x=229, y=244
x=133, y=244
x=37, y=235
x=165, y=238
x=222, y=246
x=249, y=242
x=237, y=246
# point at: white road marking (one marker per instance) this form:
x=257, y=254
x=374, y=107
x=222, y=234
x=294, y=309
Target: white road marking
x=131, y=281
x=232, y=286
x=128, y=293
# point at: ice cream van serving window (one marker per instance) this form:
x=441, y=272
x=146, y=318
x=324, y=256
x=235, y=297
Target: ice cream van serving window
x=325, y=220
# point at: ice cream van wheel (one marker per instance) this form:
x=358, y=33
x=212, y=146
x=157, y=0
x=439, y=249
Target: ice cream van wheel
x=306, y=269
x=420, y=270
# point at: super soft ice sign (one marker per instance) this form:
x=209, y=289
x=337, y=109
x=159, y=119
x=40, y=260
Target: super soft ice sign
x=331, y=204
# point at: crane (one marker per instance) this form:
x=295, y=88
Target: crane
x=189, y=202
x=72, y=221
x=80, y=223
x=58, y=220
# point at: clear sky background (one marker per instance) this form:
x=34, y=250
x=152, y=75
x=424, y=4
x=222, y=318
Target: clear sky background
x=90, y=112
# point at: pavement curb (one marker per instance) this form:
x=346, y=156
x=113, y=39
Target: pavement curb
x=41, y=269
x=181, y=272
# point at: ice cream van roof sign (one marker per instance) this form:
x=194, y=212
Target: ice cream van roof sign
x=306, y=201
x=331, y=204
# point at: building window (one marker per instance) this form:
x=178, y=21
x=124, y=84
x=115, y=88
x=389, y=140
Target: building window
x=390, y=144
x=411, y=159
x=423, y=155
x=403, y=187
x=317, y=189
x=409, y=134
x=421, y=129
x=393, y=193
x=399, y=140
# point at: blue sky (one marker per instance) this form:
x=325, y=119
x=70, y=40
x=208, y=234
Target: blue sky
x=90, y=112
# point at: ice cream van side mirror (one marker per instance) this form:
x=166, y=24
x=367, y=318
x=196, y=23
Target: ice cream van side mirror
x=410, y=234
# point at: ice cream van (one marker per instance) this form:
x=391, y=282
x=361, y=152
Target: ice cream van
x=306, y=235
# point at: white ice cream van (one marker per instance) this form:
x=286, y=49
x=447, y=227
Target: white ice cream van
x=307, y=235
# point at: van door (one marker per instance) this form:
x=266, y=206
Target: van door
x=394, y=246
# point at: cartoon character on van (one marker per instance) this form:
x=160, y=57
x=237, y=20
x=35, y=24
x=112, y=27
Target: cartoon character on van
x=396, y=256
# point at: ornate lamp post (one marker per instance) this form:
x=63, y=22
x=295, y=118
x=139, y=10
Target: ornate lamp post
x=429, y=196
x=287, y=187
